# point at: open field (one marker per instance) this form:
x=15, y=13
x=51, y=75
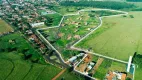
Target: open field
x=117, y=36
x=4, y=27
x=13, y=64
x=13, y=67
x=67, y=75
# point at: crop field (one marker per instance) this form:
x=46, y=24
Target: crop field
x=67, y=75
x=4, y=27
x=117, y=36
x=13, y=64
x=13, y=67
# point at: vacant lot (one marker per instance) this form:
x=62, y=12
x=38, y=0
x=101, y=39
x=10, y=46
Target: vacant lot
x=4, y=27
x=119, y=37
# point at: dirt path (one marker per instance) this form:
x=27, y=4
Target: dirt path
x=99, y=62
x=58, y=75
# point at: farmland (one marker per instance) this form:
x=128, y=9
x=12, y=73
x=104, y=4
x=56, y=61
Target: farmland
x=12, y=60
x=13, y=67
x=116, y=37
x=4, y=27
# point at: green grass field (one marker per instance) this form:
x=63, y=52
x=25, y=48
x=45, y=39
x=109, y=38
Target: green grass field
x=14, y=67
x=4, y=27
x=119, y=37
x=70, y=76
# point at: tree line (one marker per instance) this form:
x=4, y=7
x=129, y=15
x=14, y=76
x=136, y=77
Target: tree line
x=99, y=4
x=135, y=0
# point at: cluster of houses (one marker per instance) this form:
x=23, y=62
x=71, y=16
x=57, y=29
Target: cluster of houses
x=89, y=67
x=24, y=16
x=20, y=12
x=115, y=75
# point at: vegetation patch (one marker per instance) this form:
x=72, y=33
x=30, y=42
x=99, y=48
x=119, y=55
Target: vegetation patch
x=99, y=4
x=52, y=19
x=4, y=27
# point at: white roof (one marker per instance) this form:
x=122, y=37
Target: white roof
x=72, y=59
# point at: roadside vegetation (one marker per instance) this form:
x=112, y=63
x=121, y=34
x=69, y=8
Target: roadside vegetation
x=135, y=0
x=137, y=59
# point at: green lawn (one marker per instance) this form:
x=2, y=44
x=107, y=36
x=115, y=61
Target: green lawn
x=4, y=27
x=119, y=37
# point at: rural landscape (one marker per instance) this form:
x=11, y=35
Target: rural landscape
x=70, y=39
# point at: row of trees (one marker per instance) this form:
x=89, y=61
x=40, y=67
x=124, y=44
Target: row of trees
x=137, y=59
x=99, y=4
x=135, y=0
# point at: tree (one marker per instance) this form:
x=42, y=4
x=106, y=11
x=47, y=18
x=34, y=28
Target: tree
x=131, y=16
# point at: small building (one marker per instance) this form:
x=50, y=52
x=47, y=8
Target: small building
x=36, y=24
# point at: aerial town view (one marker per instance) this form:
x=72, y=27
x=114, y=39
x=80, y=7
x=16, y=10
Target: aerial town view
x=70, y=39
